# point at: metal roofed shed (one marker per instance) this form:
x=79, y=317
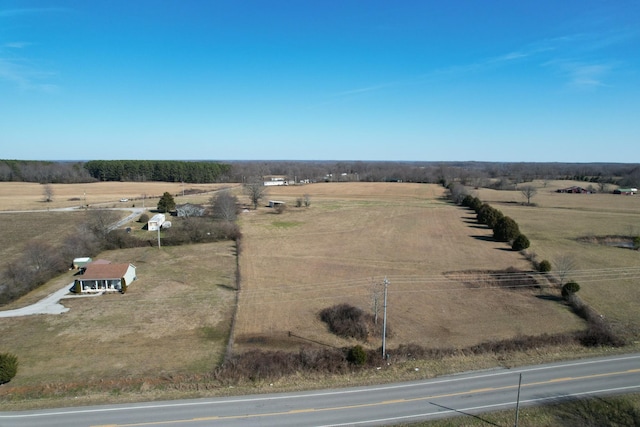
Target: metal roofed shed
x=82, y=262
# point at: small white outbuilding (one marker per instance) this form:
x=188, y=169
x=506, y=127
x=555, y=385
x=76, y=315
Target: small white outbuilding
x=155, y=223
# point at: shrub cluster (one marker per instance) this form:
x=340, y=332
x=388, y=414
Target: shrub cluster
x=200, y=230
x=598, y=332
x=258, y=365
x=346, y=321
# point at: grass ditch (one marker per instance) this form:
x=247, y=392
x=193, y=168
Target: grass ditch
x=609, y=411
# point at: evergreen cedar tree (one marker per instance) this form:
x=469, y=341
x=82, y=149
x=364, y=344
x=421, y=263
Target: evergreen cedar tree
x=506, y=229
x=520, y=243
x=166, y=203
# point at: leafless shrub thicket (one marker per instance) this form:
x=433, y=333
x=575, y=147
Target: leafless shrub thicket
x=347, y=321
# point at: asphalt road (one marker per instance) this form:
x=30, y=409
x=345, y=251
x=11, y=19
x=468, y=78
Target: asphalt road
x=463, y=395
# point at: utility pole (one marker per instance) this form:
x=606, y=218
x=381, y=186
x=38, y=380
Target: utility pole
x=159, y=227
x=384, y=321
x=518, y=400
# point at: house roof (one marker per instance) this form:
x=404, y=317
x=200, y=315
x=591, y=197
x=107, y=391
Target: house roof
x=105, y=271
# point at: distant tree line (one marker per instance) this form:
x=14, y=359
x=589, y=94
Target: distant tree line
x=157, y=170
x=43, y=172
x=499, y=175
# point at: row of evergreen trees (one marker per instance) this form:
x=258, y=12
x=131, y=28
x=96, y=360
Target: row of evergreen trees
x=157, y=170
x=505, y=229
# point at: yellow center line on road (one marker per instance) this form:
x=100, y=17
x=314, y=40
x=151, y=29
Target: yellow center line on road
x=364, y=405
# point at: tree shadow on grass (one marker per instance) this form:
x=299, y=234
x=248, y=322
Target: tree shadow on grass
x=549, y=298
x=484, y=238
x=479, y=227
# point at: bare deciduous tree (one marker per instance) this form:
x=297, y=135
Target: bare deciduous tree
x=377, y=293
x=564, y=265
x=225, y=206
x=47, y=193
x=528, y=191
x=256, y=191
x=100, y=222
x=42, y=257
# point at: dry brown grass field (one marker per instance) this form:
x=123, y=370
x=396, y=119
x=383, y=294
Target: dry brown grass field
x=30, y=196
x=297, y=263
x=175, y=318
x=557, y=222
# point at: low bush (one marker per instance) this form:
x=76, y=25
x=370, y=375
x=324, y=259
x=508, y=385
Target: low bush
x=544, y=266
x=569, y=289
x=8, y=367
x=357, y=355
x=520, y=243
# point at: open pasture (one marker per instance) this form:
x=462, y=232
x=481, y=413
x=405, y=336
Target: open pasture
x=608, y=275
x=296, y=263
x=30, y=196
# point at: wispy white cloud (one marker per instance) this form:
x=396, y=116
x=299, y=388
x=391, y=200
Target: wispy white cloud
x=25, y=77
x=582, y=75
x=16, y=45
x=574, y=57
x=18, y=70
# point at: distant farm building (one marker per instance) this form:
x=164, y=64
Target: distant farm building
x=271, y=181
x=626, y=191
x=574, y=189
x=188, y=209
x=276, y=203
x=98, y=277
x=156, y=221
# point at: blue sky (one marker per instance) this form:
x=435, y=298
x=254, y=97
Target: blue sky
x=426, y=80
